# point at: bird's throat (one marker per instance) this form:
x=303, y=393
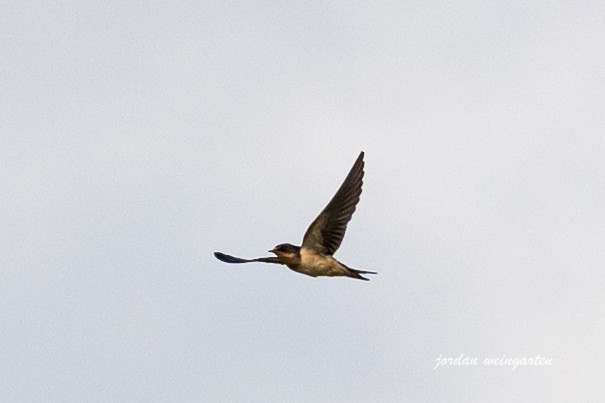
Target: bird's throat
x=291, y=260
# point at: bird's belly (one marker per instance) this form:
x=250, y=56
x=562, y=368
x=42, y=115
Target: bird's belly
x=314, y=264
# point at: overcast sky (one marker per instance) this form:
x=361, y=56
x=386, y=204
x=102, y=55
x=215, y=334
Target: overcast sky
x=139, y=137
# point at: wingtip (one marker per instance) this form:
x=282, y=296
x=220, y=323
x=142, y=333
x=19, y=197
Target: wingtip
x=222, y=257
x=359, y=160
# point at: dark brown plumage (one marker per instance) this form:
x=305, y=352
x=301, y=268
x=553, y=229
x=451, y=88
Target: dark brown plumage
x=323, y=237
x=326, y=232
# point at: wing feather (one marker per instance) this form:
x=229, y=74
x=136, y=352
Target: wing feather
x=326, y=232
x=232, y=259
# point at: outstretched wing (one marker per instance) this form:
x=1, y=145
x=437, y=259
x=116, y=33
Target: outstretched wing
x=232, y=259
x=327, y=231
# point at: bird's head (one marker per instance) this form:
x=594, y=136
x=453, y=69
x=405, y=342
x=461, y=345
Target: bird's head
x=286, y=251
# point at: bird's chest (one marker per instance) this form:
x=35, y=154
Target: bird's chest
x=314, y=264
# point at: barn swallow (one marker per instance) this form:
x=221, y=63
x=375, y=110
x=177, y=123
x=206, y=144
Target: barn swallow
x=323, y=237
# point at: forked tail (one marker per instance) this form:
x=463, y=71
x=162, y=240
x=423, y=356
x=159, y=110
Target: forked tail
x=354, y=273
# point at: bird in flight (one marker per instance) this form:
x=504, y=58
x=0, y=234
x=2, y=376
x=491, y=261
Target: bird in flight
x=323, y=237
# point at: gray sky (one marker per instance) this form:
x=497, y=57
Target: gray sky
x=139, y=137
